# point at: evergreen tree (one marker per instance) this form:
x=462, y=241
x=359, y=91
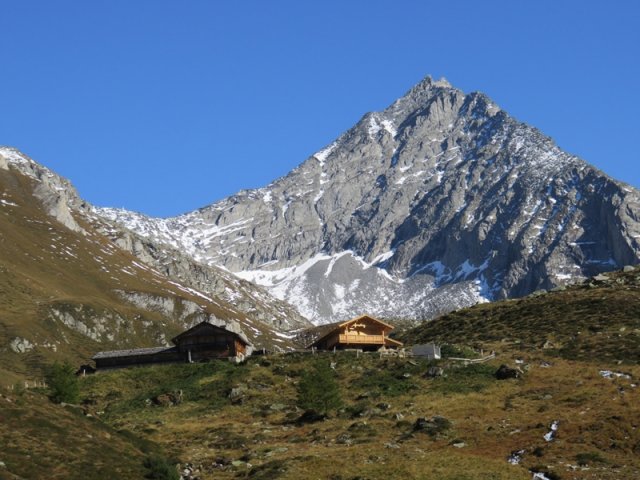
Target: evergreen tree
x=318, y=390
x=63, y=383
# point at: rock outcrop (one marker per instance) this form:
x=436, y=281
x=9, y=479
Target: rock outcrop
x=62, y=202
x=439, y=201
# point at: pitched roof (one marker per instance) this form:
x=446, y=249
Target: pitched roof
x=227, y=327
x=133, y=352
x=314, y=334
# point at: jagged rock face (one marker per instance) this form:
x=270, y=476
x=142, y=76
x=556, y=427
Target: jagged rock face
x=439, y=201
x=55, y=193
x=71, y=291
x=245, y=296
x=61, y=201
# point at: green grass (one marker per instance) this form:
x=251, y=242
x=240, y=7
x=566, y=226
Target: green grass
x=206, y=383
x=42, y=440
x=472, y=421
x=590, y=458
x=465, y=379
x=579, y=323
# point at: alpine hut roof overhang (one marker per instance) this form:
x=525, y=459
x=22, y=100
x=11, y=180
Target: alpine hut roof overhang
x=365, y=332
x=207, y=340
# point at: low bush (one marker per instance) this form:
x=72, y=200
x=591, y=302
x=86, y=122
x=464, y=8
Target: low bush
x=387, y=382
x=159, y=468
x=466, y=379
x=584, y=459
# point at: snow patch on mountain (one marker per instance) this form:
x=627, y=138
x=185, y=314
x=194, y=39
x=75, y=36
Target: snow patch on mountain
x=440, y=201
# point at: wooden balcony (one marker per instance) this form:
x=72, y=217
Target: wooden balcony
x=362, y=339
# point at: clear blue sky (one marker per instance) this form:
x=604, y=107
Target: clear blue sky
x=165, y=106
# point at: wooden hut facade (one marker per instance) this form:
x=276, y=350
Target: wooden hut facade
x=364, y=332
x=202, y=342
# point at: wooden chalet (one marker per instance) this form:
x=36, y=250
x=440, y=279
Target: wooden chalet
x=202, y=342
x=364, y=332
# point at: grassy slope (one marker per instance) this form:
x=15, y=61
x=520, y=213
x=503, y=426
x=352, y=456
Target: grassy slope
x=43, y=440
x=593, y=321
x=372, y=436
x=45, y=265
x=367, y=439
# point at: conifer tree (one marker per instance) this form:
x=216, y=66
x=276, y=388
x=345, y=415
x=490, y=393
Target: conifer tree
x=63, y=383
x=318, y=390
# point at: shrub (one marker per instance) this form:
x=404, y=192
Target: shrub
x=584, y=459
x=63, y=383
x=466, y=379
x=448, y=350
x=318, y=390
x=160, y=469
x=389, y=380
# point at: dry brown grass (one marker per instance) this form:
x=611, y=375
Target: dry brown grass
x=596, y=415
x=44, y=265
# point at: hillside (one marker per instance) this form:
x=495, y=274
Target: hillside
x=571, y=411
x=439, y=201
x=67, y=291
x=396, y=422
x=597, y=320
x=43, y=440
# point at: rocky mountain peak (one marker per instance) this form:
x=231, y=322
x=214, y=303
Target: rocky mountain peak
x=438, y=201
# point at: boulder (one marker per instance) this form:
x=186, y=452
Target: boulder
x=504, y=373
x=434, y=372
x=432, y=426
x=168, y=399
x=237, y=394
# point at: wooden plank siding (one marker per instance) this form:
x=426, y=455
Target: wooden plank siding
x=363, y=332
x=201, y=342
x=357, y=339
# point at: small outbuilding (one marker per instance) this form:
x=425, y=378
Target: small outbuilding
x=430, y=351
x=202, y=342
x=363, y=332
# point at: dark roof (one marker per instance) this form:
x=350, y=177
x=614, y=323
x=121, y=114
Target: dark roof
x=207, y=323
x=133, y=352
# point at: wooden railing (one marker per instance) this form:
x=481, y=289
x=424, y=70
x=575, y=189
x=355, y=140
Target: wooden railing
x=354, y=339
x=467, y=361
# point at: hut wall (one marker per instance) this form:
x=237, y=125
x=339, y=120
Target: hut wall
x=133, y=360
x=213, y=342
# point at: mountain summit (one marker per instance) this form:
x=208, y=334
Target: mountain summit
x=439, y=201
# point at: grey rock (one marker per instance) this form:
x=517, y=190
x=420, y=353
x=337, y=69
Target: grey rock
x=433, y=426
x=441, y=200
x=237, y=394
x=21, y=345
x=263, y=317
x=56, y=194
x=247, y=297
x=434, y=372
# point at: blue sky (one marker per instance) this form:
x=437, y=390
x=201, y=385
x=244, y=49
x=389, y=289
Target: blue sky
x=166, y=106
